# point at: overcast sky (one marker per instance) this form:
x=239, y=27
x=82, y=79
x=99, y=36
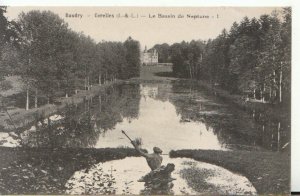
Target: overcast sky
x=149, y=31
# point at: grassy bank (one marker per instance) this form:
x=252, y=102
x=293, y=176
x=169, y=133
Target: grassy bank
x=274, y=111
x=269, y=172
x=155, y=73
x=21, y=118
x=45, y=171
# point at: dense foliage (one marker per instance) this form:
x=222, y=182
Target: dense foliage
x=8, y=39
x=253, y=58
x=54, y=60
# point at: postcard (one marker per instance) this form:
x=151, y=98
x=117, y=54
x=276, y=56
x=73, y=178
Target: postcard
x=145, y=100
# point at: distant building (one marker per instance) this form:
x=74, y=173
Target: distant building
x=149, y=57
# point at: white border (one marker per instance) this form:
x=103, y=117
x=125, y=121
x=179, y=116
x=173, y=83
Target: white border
x=204, y=3
x=169, y=3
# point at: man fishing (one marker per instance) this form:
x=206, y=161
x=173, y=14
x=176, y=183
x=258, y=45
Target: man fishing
x=154, y=160
x=159, y=180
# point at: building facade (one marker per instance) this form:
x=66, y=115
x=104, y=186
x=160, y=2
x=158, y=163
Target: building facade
x=149, y=57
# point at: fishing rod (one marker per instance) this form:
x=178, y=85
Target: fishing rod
x=126, y=135
x=131, y=139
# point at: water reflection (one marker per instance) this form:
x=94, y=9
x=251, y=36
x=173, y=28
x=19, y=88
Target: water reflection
x=159, y=125
x=171, y=115
x=191, y=178
x=81, y=124
x=234, y=127
x=190, y=117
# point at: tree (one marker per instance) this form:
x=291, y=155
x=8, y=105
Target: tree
x=163, y=51
x=269, y=60
x=254, y=56
x=52, y=59
x=8, y=44
x=43, y=50
x=285, y=71
x=177, y=60
x=132, y=57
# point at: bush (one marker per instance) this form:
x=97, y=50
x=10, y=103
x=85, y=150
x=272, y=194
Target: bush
x=5, y=85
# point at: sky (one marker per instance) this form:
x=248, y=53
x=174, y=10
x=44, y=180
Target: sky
x=149, y=25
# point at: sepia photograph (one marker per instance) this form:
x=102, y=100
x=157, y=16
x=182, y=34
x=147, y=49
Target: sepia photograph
x=145, y=100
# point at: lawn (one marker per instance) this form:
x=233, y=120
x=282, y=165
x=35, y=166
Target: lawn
x=269, y=172
x=45, y=170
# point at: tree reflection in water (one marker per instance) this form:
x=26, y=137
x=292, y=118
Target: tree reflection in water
x=235, y=128
x=81, y=124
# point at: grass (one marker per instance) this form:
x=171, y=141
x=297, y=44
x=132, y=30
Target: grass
x=155, y=73
x=46, y=170
x=269, y=172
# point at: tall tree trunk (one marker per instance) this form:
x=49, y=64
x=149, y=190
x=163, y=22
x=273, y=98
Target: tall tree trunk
x=274, y=84
x=27, y=88
x=88, y=83
x=270, y=93
x=100, y=101
x=280, y=83
x=88, y=104
x=262, y=93
x=36, y=98
x=27, y=98
x=278, y=136
x=191, y=76
x=99, y=79
x=67, y=88
x=85, y=103
x=106, y=77
x=85, y=83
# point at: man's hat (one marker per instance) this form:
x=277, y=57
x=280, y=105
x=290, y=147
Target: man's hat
x=157, y=150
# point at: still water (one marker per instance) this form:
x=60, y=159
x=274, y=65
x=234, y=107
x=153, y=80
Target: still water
x=172, y=115
x=192, y=178
x=159, y=124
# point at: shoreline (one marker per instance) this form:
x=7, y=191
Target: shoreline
x=22, y=118
x=274, y=111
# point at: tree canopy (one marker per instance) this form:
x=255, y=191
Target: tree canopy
x=51, y=58
x=254, y=56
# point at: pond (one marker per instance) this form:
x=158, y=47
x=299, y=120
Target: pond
x=171, y=115
x=179, y=112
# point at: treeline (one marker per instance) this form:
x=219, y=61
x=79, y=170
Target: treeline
x=51, y=58
x=253, y=58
